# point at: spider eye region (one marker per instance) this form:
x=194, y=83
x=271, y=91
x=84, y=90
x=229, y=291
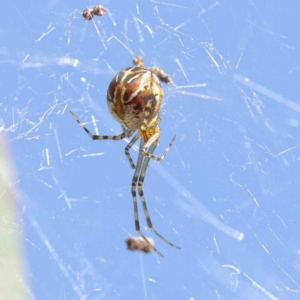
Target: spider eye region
x=130, y=93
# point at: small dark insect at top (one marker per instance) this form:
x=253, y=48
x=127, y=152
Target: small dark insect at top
x=88, y=13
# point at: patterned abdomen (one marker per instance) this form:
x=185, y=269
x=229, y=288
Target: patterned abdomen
x=130, y=92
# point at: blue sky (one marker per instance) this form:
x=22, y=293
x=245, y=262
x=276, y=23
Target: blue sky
x=227, y=192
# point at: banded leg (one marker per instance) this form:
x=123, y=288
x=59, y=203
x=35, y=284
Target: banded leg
x=125, y=133
x=141, y=193
x=153, y=141
x=135, y=207
x=129, y=145
x=148, y=108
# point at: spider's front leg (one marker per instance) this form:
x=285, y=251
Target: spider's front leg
x=141, y=179
x=134, y=183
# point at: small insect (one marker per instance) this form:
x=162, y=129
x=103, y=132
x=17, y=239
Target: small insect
x=134, y=98
x=88, y=13
x=138, y=243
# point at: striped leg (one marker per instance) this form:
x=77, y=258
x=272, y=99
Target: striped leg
x=153, y=140
x=141, y=193
x=125, y=133
x=135, y=207
x=129, y=145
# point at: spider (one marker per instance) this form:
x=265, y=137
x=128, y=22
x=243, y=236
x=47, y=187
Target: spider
x=134, y=98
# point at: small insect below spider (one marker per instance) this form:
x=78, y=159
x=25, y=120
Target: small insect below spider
x=138, y=243
x=134, y=98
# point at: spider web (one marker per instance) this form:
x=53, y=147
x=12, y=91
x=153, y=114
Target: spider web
x=227, y=191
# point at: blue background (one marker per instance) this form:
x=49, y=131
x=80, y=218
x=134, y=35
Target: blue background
x=233, y=171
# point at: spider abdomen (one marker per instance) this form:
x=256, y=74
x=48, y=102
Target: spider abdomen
x=133, y=94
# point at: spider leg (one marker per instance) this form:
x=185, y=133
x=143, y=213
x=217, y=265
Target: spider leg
x=154, y=140
x=125, y=133
x=141, y=193
x=135, y=207
x=127, y=148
